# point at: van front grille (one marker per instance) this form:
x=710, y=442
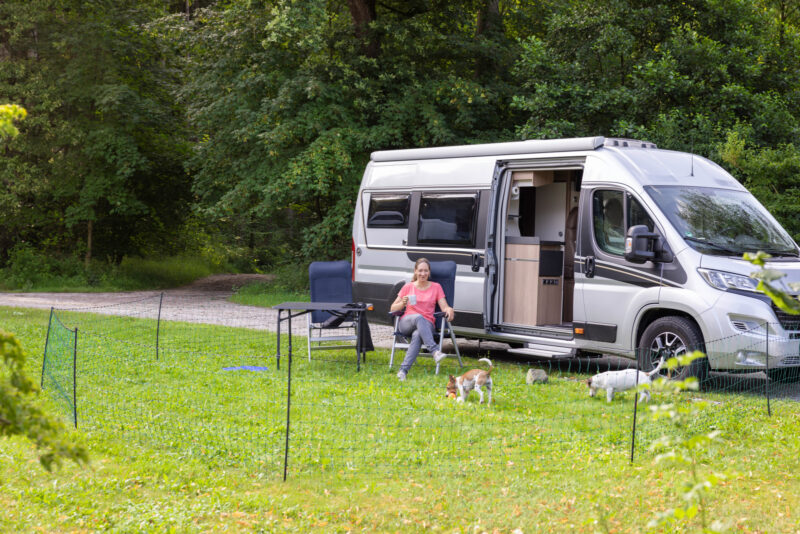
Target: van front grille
x=788, y=321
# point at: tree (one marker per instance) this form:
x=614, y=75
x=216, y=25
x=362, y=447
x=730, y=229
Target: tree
x=286, y=120
x=688, y=78
x=99, y=168
x=19, y=416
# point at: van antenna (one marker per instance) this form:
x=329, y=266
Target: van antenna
x=691, y=150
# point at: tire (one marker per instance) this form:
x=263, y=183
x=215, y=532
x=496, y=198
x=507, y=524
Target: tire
x=673, y=336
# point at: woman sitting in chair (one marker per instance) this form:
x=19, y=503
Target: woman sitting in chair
x=419, y=298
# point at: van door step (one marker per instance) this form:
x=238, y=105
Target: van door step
x=545, y=351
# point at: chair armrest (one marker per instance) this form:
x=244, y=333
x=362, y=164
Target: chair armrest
x=397, y=313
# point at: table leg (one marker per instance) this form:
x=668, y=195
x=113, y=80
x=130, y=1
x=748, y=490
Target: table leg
x=278, y=356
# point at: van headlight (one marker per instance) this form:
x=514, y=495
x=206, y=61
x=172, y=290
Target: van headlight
x=725, y=281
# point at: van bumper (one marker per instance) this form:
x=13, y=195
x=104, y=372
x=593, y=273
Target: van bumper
x=743, y=334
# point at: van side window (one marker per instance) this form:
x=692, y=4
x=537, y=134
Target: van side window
x=447, y=219
x=637, y=215
x=609, y=221
x=388, y=211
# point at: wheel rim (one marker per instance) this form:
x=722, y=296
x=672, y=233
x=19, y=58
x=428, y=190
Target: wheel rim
x=666, y=344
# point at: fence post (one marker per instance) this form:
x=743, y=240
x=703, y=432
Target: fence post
x=46, y=341
x=75, y=379
x=635, y=404
x=288, y=400
x=158, y=322
x=766, y=331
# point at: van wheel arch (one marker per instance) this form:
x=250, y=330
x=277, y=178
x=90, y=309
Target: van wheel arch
x=676, y=334
x=656, y=313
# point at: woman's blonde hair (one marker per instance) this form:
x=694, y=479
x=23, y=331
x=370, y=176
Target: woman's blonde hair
x=417, y=264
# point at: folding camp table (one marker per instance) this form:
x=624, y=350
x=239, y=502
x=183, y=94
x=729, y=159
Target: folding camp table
x=340, y=309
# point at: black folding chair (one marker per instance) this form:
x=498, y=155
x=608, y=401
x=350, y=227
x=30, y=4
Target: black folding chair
x=330, y=281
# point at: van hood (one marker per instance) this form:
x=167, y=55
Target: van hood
x=788, y=266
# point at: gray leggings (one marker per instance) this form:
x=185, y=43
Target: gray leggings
x=421, y=331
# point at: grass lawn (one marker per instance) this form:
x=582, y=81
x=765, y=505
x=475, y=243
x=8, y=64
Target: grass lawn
x=264, y=294
x=180, y=445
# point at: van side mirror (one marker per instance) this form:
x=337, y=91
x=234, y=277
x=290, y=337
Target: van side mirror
x=640, y=244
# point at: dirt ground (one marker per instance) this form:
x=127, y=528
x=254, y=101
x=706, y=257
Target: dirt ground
x=217, y=286
x=203, y=301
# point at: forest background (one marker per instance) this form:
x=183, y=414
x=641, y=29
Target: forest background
x=233, y=133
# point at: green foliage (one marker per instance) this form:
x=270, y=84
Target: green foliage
x=21, y=416
x=252, y=122
x=8, y=114
x=766, y=277
x=29, y=269
x=311, y=106
x=99, y=164
x=141, y=273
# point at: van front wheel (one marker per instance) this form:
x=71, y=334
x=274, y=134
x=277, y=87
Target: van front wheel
x=668, y=337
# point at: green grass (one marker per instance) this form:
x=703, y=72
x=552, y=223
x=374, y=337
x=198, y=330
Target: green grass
x=265, y=294
x=179, y=445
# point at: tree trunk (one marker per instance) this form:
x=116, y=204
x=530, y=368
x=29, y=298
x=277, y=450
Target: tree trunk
x=88, y=257
x=489, y=22
x=489, y=17
x=363, y=13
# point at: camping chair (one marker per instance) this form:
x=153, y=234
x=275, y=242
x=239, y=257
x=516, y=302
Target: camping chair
x=330, y=281
x=443, y=273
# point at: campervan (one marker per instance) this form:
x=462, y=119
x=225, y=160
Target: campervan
x=584, y=246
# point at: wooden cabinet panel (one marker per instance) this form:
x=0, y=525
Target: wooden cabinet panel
x=529, y=300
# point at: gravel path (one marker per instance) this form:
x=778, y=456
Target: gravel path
x=204, y=301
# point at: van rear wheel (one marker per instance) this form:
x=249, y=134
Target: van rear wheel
x=669, y=337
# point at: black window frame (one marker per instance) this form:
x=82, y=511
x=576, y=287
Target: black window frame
x=449, y=243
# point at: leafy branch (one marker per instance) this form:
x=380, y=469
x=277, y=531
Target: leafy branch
x=766, y=277
x=20, y=416
x=8, y=114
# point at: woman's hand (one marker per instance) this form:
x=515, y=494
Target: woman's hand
x=448, y=310
x=399, y=304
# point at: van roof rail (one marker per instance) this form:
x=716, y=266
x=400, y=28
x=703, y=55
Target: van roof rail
x=533, y=146
x=620, y=142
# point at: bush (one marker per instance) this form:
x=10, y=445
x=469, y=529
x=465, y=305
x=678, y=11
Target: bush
x=141, y=273
x=29, y=268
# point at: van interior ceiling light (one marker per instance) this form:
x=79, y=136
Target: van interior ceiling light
x=725, y=281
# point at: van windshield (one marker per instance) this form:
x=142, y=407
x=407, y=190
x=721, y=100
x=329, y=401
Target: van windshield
x=722, y=222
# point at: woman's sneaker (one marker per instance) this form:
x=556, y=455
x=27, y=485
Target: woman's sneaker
x=439, y=356
x=401, y=375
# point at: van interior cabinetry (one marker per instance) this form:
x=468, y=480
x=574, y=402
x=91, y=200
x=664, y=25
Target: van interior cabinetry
x=533, y=282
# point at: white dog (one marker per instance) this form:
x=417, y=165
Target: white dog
x=613, y=381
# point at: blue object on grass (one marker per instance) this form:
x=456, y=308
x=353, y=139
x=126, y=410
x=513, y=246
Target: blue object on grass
x=245, y=368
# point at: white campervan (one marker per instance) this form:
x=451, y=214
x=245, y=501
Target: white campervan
x=538, y=230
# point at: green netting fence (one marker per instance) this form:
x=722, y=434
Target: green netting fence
x=212, y=393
